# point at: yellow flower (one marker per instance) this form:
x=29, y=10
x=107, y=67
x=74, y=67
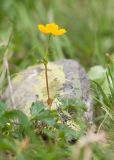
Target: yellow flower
x=51, y=28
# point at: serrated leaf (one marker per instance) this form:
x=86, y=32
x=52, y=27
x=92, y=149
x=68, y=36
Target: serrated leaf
x=37, y=108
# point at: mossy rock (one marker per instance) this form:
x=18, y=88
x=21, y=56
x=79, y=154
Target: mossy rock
x=67, y=80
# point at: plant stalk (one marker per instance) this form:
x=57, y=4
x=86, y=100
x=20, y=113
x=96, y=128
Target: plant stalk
x=49, y=100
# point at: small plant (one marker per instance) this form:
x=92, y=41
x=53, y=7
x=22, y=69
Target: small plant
x=49, y=30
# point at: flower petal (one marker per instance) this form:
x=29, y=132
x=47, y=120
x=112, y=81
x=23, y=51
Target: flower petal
x=43, y=29
x=52, y=27
x=59, y=32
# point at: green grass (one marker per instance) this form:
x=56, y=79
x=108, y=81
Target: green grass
x=90, y=35
x=89, y=24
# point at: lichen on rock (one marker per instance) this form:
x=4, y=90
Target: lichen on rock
x=67, y=80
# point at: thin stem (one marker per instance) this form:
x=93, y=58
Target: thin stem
x=9, y=39
x=47, y=48
x=105, y=117
x=47, y=85
x=6, y=64
x=49, y=100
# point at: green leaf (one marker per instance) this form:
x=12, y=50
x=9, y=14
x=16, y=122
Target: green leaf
x=6, y=144
x=37, y=108
x=97, y=73
x=3, y=108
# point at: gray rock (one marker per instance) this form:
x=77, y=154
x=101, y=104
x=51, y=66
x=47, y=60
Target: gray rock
x=67, y=80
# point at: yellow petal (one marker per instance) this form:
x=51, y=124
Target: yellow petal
x=52, y=27
x=43, y=29
x=59, y=32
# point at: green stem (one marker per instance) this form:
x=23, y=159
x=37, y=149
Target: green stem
x=47, y=48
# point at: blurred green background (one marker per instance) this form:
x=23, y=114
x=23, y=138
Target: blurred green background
x=90, y=35
x=89, y=24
